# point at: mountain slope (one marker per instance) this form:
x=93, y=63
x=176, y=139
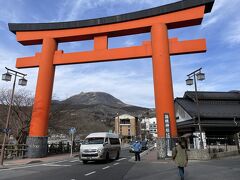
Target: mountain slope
x=90, y=112
x=93, y=98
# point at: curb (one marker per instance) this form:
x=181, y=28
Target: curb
x=34, y=162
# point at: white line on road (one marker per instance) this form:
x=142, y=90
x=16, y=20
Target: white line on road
x=115, y=164
x=22, y=167
x=56, y=165
x=75, y=160
x=106, y=167
x=90, y=173
x=28, y=166
x=161, y=162
x=121, y=159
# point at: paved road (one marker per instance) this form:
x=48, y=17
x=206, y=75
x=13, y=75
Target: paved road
x=219, y=169
x=123, y=169
x=71, y=170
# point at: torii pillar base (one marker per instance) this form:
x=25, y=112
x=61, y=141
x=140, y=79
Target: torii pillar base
x=37, y=147
x=161, y=148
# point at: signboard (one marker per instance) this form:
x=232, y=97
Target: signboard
x=6, y=130
x=167, y=125
x=72, y=130
x=167, y=133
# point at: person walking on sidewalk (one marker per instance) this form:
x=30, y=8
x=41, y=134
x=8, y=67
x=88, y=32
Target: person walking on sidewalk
x=137, y=147
x=180, y=156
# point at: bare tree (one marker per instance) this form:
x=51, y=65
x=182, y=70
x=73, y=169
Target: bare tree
x=20, y=114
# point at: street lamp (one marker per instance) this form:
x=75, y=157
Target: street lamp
x=118, y=125
x=23, y=82
x=200, y=76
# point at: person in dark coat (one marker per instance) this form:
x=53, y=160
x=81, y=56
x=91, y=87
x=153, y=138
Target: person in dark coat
x=180, y=156
x=137, y=147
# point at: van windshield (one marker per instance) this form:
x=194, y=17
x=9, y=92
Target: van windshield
x=96, y=140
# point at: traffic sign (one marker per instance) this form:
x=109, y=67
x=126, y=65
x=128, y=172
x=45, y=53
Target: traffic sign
x=72, y=130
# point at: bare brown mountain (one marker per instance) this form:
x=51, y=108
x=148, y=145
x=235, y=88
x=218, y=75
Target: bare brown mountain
x=93, y=98
x=90, y=112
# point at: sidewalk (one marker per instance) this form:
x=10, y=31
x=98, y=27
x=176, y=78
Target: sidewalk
x=150, y=168
x=50, y=158
x=150, y=155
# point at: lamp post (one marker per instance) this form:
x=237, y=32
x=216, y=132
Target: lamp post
x=23, y=82
x=200, y=76
x=118, y=124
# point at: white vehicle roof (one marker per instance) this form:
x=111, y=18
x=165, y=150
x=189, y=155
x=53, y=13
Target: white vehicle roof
x=102, y=134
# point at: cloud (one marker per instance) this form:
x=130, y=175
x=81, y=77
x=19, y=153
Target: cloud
x=75, y=10
x=129, y=43
x=126, y=85
x=222, y=11
x=232, y=36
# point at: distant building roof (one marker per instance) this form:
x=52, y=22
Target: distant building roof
x=126, y=116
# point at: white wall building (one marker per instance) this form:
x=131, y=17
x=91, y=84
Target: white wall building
x=150, y=125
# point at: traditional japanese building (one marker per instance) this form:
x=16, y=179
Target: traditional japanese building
x=219, y=113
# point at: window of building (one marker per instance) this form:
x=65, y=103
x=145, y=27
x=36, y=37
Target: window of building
x=124, y=121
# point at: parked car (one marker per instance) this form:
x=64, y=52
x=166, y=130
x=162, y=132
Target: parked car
x=144, y=145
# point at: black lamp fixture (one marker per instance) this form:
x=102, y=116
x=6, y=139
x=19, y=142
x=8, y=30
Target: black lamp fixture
x=189, y=81
x=22, y=82
x=6, y=76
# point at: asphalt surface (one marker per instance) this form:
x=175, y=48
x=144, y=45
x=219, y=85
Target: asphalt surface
x=72, y=169
x=125, y=169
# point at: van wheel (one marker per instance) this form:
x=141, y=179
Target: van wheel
x=84, y=161
x=118, y=154
x=107, y=158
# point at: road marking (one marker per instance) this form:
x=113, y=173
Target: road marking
x=90, y=173
x=56, y=165
x=22, y=167
x=106, y=167
x=35, y=165
x=74, y=160
x=161, y=162
x=121, y=159
x=115, y=164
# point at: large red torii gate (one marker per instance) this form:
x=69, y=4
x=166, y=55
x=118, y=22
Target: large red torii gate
x=157, y=21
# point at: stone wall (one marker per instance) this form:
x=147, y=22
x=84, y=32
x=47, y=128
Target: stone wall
x=203, y=154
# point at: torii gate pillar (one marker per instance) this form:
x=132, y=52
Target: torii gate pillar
x=39, y=122
x=163, y=88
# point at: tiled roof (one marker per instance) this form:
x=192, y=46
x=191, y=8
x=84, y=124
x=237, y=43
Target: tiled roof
x=211, y=104
x=160, y=10
x=206, y=95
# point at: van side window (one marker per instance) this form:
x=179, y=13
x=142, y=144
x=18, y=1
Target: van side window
x=106, y=140
x=114, y=141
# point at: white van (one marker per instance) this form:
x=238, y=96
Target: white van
x=100, y=146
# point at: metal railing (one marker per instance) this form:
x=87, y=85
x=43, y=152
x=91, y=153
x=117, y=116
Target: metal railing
x=58, y=148
x=223, y=144
x=12, y=151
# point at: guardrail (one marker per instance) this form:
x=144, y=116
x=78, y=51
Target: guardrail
x=18, y=151
x=12, y=151
x=58, y=148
